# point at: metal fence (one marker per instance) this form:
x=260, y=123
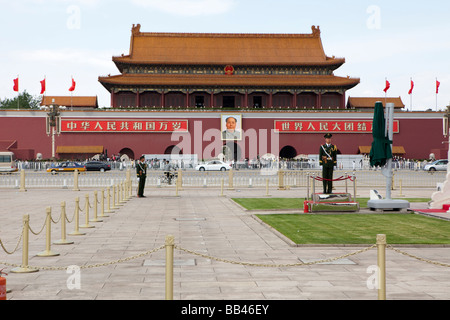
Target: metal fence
x=233, y=178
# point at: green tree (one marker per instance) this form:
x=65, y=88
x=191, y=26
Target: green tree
x=23, y=101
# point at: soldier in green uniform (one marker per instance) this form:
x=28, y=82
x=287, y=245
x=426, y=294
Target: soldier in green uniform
x=141, y=172
x=328, y=160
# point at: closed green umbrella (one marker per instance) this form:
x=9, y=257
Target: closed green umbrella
x=381, y=146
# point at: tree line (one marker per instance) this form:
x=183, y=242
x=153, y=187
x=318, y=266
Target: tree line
x=23, y=101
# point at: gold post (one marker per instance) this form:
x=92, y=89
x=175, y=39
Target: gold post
x=87, y=225
x=267, y=188
x=114, y=197
x=170, y=242
x=401, y=188
x=221, y=187
x=63, y=240
x=24, y=268
x=48, y=225
x=381, y=247
x=346, y=184
x=108, y=191
x=102, y=214
x=22, y=181
x=75, y=181
x=281, y=185
x=77, y=232
x=122, y=193
x=230, y=180
x=180, y=179
x=96, y=219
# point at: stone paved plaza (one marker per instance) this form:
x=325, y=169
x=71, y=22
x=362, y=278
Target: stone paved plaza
x=203, y=221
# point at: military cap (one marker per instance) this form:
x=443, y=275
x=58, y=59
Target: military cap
x=328, y=136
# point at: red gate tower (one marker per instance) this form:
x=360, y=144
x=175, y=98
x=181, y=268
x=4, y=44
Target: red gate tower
x=227, y=71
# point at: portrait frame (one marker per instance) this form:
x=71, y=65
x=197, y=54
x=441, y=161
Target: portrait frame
x=225, y=133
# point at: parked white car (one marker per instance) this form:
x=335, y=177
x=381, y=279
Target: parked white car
x=438, y=165
x=214, y=165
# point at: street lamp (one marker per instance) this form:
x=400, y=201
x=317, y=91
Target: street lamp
x=53, y=122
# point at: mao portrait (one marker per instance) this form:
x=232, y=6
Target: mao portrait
x=231, y=126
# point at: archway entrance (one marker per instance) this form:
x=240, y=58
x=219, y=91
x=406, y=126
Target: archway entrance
x=288, y=152
x=128, y=152
x=173, y=150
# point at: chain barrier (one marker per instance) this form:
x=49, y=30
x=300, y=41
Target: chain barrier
x=275, y=265
x=418, y=258
x=15, y=249
x=97, y=265
x=342, y=178
x=52, y=220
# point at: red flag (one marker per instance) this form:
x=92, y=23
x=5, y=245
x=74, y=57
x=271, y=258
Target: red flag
x=438, y=84
x=412, y=87
x=16, y=84
x=72, y=88
x=388, y=85
x=43, y=86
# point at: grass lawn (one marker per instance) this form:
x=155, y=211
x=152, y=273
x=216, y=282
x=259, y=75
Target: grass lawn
x=360, y=228
x=349, y=228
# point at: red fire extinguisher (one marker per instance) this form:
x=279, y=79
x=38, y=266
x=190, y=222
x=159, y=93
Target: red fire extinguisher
x=2, y=286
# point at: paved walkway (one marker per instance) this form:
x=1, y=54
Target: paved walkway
x=203, y=221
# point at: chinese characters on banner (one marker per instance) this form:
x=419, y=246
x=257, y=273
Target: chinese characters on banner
x=123, y=125
x=325, y=126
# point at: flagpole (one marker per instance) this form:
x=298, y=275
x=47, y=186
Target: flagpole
x=71, y=98
x=436, y=95
x=411, y=98
x=18, y=93
x=385, y=95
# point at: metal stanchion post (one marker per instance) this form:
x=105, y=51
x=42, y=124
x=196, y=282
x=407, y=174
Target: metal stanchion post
x=63, y=240
x=77, y=232
x=24, y=268
x=96, y=219
x=102, y=214
x=170, y=243
x=22, y=181
x=48, y=225
x=108, y=192
x=221, y=187
x=267, y=187
x=75, y=181
x=381, y=247
x=87, y=225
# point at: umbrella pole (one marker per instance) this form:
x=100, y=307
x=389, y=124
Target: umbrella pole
x=390, y=135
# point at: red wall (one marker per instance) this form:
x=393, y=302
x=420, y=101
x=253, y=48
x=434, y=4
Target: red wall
x=419, y=137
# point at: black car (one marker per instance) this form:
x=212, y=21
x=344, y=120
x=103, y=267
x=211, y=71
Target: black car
x=97, y=166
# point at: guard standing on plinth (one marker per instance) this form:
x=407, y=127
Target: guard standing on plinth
x=141, y=172
x=328, y=160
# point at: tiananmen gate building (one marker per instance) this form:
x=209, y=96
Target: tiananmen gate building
x=176, y=93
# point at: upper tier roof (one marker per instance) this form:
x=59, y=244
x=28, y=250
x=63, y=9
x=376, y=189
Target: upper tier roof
x=228, y=81
x=226, y=49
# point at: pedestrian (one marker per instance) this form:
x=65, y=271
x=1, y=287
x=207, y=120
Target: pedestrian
x=167, y=171
x=328, y=160
x=141, y=171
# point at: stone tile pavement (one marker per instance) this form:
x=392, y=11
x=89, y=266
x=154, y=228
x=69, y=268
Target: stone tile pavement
x=202, y=221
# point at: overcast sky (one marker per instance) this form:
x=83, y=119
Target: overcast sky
x=397, y=40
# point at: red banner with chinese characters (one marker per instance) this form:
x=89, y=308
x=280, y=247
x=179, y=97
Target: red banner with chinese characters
x=325, y=126
x=123, y=125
